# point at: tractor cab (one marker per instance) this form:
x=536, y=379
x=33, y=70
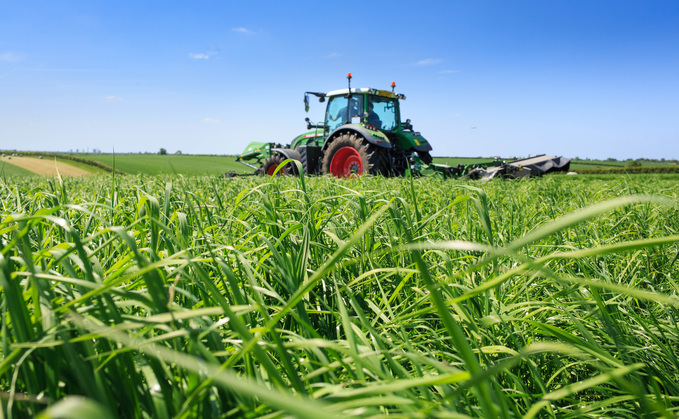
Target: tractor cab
x=375, y=109
x=372, y=118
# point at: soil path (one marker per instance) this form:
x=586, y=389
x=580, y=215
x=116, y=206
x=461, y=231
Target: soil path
x=45, y=167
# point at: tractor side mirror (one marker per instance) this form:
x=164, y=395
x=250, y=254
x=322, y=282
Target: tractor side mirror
x=306, y=103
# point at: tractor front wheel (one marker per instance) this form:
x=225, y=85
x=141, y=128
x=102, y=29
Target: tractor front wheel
x=271, y=164
x=346, y=156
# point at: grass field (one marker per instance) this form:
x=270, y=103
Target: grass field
x=65, y=161
x=81, y=165
x=166, y=296
x=200, y=165
x=194, y=165
x=589, y=164
x=9, y=170
x=190, y=165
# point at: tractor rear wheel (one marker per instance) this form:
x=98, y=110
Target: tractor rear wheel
x=349, y=155
x=271, y=164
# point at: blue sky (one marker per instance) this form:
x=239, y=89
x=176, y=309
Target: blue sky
x=579, y=78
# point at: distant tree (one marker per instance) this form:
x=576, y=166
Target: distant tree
x=162, y=152
x=178, y=152
x=633, y=163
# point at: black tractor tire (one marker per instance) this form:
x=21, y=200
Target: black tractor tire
x=271, y=164
x=351, y=155
x=310, y=160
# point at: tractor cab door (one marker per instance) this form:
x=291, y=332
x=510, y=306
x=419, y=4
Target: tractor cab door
x=383, y=113
x=342, y=110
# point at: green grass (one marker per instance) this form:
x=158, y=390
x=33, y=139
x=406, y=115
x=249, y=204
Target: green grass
x=9, y=170
x=74, y=160
x=84, y=166
x=190, y=165
x=601, y=164
x=199, y=165
x=168, y=296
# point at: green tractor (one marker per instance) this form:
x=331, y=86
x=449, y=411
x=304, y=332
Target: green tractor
x=363, y=133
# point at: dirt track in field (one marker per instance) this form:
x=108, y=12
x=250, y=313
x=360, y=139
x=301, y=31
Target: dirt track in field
x=45, y=167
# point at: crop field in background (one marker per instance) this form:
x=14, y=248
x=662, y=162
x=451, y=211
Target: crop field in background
x=215, y=165
x=201, y=165
x=49, y=167
x=9, y=170
x=583, y=164
x=193, y=165
x=170, y=296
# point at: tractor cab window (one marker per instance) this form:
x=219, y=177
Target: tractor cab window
x=341, y=110
x=382, y=113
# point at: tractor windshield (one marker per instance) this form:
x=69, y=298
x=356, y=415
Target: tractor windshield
x=341, y=110
x=382, y=113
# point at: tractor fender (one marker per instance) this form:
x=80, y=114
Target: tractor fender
x=417, y=141
x=373, y=137
x=288, y=153
x=423, y=147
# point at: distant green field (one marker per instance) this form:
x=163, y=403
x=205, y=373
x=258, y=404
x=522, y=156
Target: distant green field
x=9, y=170
x=197, y=165
x=153, y=164
x=208, y=165
x=87, y=167
x=595, y=164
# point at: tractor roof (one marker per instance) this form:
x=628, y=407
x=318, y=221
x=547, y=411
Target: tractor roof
x=368, y=90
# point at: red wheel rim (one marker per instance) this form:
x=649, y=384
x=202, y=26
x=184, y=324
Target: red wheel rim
x=272, y=169
x=346, y=162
